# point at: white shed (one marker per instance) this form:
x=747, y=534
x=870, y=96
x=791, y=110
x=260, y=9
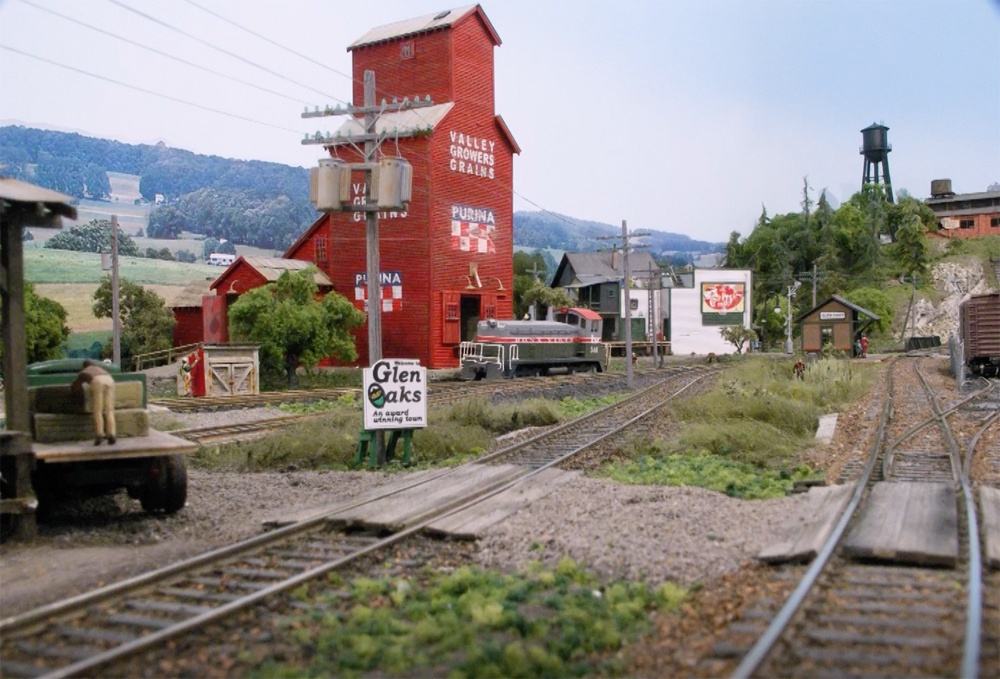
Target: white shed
x=719, y=297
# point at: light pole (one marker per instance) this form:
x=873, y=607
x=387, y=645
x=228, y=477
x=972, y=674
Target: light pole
x=792, y=289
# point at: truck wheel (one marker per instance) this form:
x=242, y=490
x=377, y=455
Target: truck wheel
x=155, y=491
x=176, y=494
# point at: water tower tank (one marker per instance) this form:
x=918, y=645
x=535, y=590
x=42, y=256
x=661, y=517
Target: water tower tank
x=875, y=139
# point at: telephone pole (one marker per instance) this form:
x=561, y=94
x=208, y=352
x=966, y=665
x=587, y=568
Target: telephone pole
x=627, y=247
x=116, y=330
x=369, y=114
x=653, y=308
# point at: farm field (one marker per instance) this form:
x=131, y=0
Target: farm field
x=189, y=241
x=78, y=300
x=42, y=265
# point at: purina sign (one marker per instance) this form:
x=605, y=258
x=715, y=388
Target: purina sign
x=395, y=395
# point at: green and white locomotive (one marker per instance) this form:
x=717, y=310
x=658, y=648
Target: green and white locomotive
x=571, y=342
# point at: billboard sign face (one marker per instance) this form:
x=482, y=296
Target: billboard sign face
x=722, y=298
x=395, y=395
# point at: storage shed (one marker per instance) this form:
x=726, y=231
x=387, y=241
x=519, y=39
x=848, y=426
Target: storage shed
x=447, y=261
x=834, y=321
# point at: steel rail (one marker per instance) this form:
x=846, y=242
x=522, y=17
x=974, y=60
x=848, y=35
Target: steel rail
x=752, y=660
x=145, y=579
x=225, y=610
x=974, y=599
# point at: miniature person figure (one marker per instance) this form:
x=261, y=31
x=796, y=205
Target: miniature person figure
x=800, y=369
x=102, y=390
x=864, y=346
x=857, y=347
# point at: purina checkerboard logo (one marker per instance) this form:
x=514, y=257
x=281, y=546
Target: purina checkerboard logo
x=472, y=229
x=392, y=291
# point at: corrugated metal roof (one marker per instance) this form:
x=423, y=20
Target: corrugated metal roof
x=16, y=191
x=192, y=293
x=272, y=267
x=406, y=123
x=422, y=24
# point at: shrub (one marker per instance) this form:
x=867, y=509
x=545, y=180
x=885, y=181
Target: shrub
x=94, y=236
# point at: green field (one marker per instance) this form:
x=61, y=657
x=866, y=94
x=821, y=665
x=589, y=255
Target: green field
x=42, y=265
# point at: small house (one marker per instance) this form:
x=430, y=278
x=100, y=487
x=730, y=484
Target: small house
x=836, y=322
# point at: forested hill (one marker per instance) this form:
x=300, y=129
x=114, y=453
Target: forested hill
x=551, y=230
x=246, y=201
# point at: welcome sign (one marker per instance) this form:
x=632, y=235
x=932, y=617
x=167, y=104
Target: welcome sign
x=395, y=394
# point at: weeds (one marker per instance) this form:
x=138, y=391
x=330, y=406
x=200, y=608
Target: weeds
x=472, y=623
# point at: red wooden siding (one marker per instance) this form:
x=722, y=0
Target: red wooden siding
x=188, y=329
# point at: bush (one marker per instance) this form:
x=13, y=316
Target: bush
x=94, y=236
x=186, y=256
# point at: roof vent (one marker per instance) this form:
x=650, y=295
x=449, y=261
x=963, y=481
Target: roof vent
x=442, y=15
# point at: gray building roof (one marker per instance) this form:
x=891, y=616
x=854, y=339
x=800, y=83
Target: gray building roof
x=596, y=267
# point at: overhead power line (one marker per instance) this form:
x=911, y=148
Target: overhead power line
x=210, y=45
x=145, y=91
x=162, y=53
x=268, y=40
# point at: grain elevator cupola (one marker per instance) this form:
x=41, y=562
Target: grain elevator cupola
x=875, y=148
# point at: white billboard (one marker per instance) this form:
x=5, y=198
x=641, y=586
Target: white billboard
x=395, y=395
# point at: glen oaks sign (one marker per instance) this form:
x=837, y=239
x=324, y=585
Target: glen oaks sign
x=471, y=155
x=395, y=395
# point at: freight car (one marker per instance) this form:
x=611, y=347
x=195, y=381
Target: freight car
x=979, y=330
x=571, y=342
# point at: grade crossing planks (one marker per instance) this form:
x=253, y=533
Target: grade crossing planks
x=401, y=482
x=909, y=522
x=414, y=505
x=472, y=522
x=805, y=533
x=989, y=510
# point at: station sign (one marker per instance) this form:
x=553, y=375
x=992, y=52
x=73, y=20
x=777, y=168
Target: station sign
x=832, y=315
x=395, y=394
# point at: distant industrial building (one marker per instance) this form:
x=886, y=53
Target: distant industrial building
x=964, y=215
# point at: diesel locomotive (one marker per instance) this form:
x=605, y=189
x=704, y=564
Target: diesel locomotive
x=570, y=343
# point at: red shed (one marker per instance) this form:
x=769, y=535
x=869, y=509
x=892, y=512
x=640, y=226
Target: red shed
x=448, y=260
x=187, y=307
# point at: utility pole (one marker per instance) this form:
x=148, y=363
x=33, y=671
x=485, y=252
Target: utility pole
x=814, y=282
x=652, y=309
x=534, y=271
x=369, y=112
x=116, y=332
x=626, y=238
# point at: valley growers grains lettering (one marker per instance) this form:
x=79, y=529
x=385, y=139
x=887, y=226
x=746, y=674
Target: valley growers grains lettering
x=471, y=155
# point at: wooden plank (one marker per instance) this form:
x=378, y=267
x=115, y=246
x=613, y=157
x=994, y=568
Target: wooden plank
x=287, y=518
x=53, y=428
x=472, y=522
x=914, y=523
x=803, y=536
x=156, y=443
x=827, y=428
x=412, y=506
x=989, y=512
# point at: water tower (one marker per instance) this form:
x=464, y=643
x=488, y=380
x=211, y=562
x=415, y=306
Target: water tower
x=875, y=148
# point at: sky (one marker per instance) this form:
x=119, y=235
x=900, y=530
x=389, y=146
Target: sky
x=677, y=116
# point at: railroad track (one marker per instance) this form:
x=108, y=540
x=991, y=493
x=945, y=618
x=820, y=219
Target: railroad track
x=439, y=395
x=78, y=636
x=849, y=618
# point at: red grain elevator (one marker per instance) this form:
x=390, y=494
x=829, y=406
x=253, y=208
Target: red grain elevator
x=447, y=261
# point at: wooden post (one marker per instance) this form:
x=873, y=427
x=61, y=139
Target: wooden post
x=116, y=337
x=374, y=268
x=15, y=366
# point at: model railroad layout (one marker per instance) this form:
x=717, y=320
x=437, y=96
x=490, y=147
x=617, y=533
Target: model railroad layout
x=876, y=601
x=80, y=635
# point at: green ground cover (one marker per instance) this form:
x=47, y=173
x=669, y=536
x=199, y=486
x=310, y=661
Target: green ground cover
x=470, y=623
x=742, y=436
x=43, y=265
x=456, y=433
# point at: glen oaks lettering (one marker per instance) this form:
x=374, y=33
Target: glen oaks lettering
x=471, y=155
x=395, y=395
x=358, y=190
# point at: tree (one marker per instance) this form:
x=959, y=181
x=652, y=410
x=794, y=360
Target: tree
x=44, y=327
x=186, y=256
x=208, y=246
x=226, y=248
x=541, y=295
x=166, y=221
x=26, y=235
x=876, y=302
x=911, y=251
x=140, y=233
x=165, y=255
x=738, y=336
x=94, y=236
x=524, y=264
x=147, y=324
x=292, y=327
